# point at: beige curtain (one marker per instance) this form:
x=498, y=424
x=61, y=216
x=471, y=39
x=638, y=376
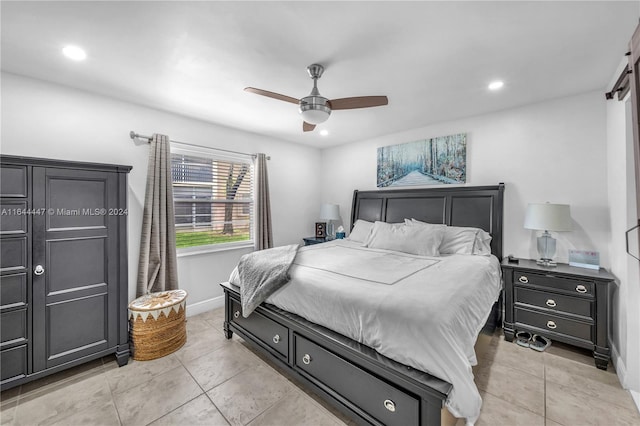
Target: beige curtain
x=264, y=236
x=157, y=266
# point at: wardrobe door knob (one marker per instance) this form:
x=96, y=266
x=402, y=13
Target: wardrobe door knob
x=39, y=270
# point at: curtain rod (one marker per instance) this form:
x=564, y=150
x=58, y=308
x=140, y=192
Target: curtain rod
x=621, y=86
x=134, y=135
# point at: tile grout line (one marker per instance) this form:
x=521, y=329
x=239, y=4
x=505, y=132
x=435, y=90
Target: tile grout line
x=204, y=392
x=113, y=400
x=217, y=409
x=186, y=402
x=240, y=372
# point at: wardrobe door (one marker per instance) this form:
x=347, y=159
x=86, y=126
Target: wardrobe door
x=74, y=282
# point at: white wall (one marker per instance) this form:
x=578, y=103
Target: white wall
x=553, y=151
x=622, y=201
x=40, y=119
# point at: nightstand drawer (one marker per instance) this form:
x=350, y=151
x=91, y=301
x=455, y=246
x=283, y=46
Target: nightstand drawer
x=554, y=324
x=553, y=301
x=560, y=284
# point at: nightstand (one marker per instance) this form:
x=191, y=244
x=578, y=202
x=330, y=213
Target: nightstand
x=564, y=303
x=314, y=240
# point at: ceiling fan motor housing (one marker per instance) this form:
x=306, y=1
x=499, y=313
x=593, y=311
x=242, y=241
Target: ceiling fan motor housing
x=315, y=109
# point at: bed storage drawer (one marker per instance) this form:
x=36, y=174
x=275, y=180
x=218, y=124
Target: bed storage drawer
x=554, y=324
x=555, y=302
x=382, y=401
x=275, y=335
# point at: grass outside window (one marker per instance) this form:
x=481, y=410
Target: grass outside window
x=202, y=238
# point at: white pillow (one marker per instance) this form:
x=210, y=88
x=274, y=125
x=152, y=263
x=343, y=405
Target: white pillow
x=361, y=231
x=420, y=240
x=483, y=243
x=460, y=239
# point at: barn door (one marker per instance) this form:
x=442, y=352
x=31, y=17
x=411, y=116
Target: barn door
x=634, y=65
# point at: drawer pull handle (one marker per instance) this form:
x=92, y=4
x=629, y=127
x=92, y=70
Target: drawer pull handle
x=523, y=279
x=236, y=314
x=276, y=338
x=551, y=324
x=390, y=405
x=39, y=270
x=306, y=359
x=551, y=303
x=581, y=289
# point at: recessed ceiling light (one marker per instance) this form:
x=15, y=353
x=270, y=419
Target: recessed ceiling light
x=495, y=85
x=75, y=53
x=324, y=132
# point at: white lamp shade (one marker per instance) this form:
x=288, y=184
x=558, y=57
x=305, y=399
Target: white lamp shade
x=330, y=212
x=548, y=217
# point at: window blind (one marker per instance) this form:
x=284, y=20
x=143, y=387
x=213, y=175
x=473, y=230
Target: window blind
x=213, y=193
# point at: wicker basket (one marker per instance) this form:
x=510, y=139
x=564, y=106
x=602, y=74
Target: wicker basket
x=157, y=325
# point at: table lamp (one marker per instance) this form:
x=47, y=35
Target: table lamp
x=547, y=217
x=330, y=212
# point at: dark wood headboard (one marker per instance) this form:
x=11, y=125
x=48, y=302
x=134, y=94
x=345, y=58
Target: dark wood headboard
x=477, y=206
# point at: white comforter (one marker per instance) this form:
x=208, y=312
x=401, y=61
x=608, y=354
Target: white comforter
x=425, y=312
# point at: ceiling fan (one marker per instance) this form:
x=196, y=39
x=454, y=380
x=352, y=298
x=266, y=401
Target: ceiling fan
x=315, y=109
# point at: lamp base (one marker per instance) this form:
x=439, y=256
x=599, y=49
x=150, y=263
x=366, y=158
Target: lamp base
x=546, y=249
x=546, y=262
x=330, y=233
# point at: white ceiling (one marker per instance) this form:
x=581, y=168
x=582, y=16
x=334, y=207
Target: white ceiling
x=433, y=60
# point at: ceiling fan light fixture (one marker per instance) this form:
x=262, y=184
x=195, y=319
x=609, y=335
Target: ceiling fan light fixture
x=314, y=109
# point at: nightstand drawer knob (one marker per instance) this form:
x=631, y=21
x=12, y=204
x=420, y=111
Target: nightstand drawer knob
x=551, y=324
x=581, y=289
x=390, y=405
x=236, y=314
x=523, y=279
x=306, y=359
x=276, y=338
x=551, y=303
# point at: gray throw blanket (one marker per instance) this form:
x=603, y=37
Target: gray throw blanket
x=263, y=272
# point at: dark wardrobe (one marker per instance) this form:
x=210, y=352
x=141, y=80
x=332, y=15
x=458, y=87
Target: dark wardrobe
x=63, y=265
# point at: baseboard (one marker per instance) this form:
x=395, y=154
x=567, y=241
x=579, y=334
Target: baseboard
x=205, y=306
x=636, y=398
x=621, y=370
x=618, y=364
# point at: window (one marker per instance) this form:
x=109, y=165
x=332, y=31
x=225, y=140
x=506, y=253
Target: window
x=213, y=199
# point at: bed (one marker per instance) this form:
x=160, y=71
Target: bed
x=381, y=386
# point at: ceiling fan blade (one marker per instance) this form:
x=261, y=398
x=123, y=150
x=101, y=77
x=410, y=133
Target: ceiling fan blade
x=307, y=127
x=358, y=102
x=272, y=95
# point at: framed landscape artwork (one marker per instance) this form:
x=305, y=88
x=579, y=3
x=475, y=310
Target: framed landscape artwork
x=435, y=161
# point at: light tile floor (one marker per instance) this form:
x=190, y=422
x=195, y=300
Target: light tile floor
x=214, y=381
